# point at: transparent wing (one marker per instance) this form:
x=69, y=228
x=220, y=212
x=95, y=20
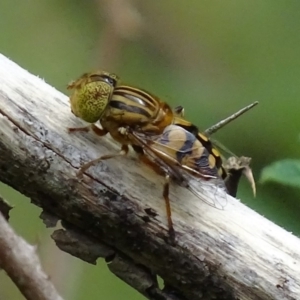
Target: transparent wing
x=212, y=192
x=165, y=149
x=183, y=149
x=221, y=147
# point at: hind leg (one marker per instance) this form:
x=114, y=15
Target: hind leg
x=168, y=207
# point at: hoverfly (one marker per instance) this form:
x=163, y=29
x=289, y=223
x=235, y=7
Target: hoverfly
x=151, y=128
x=99, y=96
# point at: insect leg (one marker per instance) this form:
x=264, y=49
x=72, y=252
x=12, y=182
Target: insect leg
x=124, y=151
x=147, y=161
x=96, y=129
x=168, y=206
x=179, y=111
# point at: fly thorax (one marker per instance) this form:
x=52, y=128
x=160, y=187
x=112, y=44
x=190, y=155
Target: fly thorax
x=92, y=100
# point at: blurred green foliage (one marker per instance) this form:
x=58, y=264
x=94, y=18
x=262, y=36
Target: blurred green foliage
x=211, y=57
x=286, y=172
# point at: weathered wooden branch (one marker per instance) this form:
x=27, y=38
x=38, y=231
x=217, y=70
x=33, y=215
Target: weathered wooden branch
x=117, y=209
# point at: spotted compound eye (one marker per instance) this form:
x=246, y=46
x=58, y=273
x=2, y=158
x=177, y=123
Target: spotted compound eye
x=90, y=100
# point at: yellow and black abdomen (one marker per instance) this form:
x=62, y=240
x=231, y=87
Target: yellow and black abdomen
x=179, y=145
x=214, y=154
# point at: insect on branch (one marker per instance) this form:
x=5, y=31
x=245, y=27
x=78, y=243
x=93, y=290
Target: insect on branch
x=219, y=254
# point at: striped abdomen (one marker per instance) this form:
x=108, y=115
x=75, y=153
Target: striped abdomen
x=180, y=145
x=205, y=142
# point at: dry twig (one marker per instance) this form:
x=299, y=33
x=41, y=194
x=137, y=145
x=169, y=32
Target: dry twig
x=19, y=260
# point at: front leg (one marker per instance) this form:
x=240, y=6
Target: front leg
x=93, y=127
x=123, y=152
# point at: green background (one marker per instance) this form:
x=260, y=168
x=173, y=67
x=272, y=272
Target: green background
x=212, y=57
